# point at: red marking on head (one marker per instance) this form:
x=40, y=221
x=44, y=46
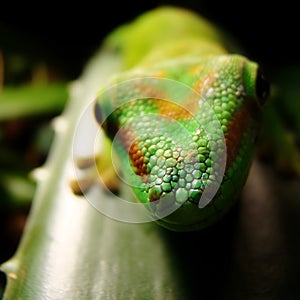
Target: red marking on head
x=175, y=111
x=137, y=159
x=129, y=142
x=236, y=129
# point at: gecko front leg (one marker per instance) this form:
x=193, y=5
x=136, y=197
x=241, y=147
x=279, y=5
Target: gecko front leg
x=96, y=170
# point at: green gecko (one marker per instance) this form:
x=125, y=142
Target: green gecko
x=182, y=117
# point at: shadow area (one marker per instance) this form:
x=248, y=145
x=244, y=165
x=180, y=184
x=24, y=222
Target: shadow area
x=253, y=253
x=203, y=258
x=3, y=281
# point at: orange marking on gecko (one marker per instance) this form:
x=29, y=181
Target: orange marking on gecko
x=195, y=69
x=129, y=142
x=160, y=74
x=137, y=159
x=234, y=134
x=172, y=110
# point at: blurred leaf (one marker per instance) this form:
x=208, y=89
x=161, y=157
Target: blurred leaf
x=19, y=188
x=280, y=134
x=287, y=98
x=21, y=101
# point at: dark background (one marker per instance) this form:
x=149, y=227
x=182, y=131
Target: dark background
x=67, y=36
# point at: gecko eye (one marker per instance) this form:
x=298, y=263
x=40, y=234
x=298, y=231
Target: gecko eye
x=262, y=87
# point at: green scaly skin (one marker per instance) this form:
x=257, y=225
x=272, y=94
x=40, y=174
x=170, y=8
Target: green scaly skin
x=173, y=157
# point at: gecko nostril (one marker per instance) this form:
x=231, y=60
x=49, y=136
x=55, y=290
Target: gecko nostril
x=98, y=113
x=262, y=87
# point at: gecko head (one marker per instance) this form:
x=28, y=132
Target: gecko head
x=233, y=94
x=187, y=158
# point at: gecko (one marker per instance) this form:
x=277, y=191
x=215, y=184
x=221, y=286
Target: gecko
x=182, y=116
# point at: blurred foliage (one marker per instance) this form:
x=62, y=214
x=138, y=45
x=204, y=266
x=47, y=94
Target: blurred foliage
x=31, y=94
x=280, y=135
